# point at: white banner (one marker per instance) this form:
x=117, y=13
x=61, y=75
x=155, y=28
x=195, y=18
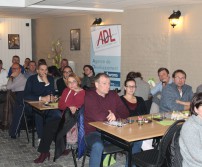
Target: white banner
x=106, y=52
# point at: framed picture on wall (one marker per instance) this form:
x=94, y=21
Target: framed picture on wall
x=75, y=39
x=13, y=41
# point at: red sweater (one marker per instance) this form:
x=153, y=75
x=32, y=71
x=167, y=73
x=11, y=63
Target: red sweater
x=73, y=99
x=96, y=108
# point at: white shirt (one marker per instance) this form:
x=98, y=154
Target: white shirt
x=3, y=79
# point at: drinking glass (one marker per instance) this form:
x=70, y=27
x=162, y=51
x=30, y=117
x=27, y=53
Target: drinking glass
x=119, y=122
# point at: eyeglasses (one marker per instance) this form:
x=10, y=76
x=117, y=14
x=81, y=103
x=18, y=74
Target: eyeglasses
x=133, y=87
x=67, y=72
x=178, y=78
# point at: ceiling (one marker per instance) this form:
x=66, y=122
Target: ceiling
x=22, y=9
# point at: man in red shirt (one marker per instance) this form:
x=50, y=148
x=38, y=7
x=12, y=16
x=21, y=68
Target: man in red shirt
x=101, y=104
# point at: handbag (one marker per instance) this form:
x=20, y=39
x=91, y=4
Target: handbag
x=72, y=135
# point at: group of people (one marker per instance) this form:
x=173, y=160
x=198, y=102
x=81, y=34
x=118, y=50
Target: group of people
x=41, y=83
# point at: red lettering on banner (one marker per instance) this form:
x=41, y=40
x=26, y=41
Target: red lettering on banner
x=105, y=36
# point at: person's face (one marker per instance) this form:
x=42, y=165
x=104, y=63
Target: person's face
x=32, y=67
x=72, y=83
x=66, y=73
x=179, y=79
x=16, y=69
x=102, y=86
x=26, y=62
x=164, y=76
x=87, y=71
x=16, y=60
x=63, y=64
x=42, y=71
x=130, y=88
x=199, y=111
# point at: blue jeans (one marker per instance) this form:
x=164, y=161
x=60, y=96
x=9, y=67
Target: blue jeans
x=49, y=115
x=95, y=143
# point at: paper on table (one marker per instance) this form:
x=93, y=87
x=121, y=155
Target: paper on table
x=166, y=122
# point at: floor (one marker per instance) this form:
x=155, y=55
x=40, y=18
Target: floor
x=19, y=153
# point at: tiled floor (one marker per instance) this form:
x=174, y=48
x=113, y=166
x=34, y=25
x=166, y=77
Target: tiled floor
x=19, y=153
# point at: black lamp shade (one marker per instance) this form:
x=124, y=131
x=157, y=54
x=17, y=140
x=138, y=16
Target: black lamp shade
x=97, y=21
x=174, y=18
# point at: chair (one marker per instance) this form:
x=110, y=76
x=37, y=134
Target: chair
x=156, y=156
x=108, y=149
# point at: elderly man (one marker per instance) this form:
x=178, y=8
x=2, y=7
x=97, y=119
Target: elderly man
x=31, y=69
x=16, y=59
x=16, y=83
x=177, y=95
x=100, y=105
x=40, y=87
x=165, y=79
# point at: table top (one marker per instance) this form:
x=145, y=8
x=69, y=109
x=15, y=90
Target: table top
x=133, y=132
x=41, y=106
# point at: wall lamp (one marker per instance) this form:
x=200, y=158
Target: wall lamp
x=174, y=18
x=97, y=21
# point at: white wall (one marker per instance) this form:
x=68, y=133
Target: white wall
x=15, y=26
x=148, y=41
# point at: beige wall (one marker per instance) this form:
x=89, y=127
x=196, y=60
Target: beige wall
x=148, y=41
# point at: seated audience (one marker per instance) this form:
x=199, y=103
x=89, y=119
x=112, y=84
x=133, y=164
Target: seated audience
x=142, y=87
x=40, y=87
x=26, y=64
x=89, y=77
x=16, y=83
x=177, y=95
x=3, y=77
x=71, y=100
x=63, y=64
x=62, y=82
x=100, y=105
x=165, y=79
x=31, y=69
x=191, y=135
x=16, y=59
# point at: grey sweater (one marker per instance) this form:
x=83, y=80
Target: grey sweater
x=191, y=142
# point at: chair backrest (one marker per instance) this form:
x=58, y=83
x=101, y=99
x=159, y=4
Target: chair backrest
x=173, y=155
x=167, y=139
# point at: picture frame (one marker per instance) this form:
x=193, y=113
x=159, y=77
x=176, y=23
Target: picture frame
x=13, y=41
x=75, y=39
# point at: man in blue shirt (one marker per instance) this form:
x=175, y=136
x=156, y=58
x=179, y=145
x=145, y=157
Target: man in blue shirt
x=177, y=95
x=165, y=79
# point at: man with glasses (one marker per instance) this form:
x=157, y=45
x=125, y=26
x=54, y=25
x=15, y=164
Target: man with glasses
x=62, y=82
x=16, y=83
x=177, y=95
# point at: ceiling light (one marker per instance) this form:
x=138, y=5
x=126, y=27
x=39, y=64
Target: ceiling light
x=76, y=8
x=174, y=18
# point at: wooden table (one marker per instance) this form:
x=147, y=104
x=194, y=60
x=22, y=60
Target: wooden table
x=126, y=135
x=39, y=108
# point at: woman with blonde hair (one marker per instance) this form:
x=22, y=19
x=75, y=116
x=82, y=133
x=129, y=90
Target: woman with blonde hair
x=71, y=100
